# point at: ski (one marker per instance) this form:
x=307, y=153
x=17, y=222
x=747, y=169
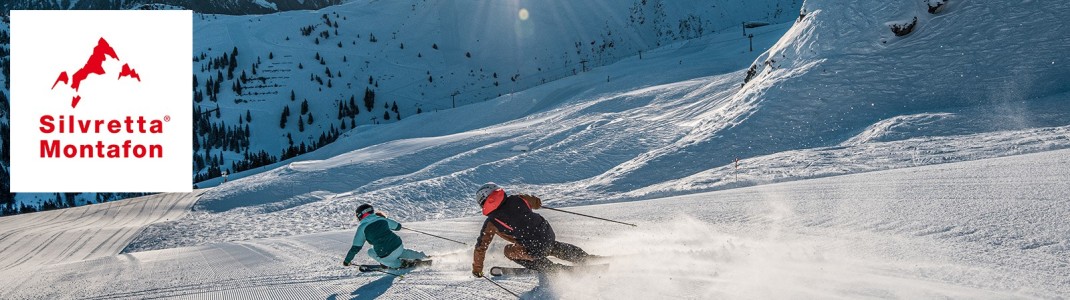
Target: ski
x=371, y=268
x=404, y=265
x=509, y=271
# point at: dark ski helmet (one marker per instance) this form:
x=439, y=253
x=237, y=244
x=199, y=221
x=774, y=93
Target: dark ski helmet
x=364, y=210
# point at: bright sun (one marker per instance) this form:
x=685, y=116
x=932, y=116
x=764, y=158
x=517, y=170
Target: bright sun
x=523, y=14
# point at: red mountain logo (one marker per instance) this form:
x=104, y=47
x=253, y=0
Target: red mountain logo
x=94, y=66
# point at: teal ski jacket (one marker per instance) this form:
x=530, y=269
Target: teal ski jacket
x=377, y=231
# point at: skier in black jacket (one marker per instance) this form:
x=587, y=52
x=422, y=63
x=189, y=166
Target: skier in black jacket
x=532, y=238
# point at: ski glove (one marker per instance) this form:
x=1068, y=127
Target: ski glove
x=345, y=263
x=477, y=274
x=532, y=201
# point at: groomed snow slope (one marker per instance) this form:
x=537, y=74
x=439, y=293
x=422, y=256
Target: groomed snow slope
x=30, y=240
x=991, y=228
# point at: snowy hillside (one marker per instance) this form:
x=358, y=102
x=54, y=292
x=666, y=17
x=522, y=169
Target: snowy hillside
x=974, y=230
x=675, y=121
x=5, y=156
x=576, y=128
x=864, y=149
x=270, y=87
x=840, y=69
x=301, y=78
x=231, y=7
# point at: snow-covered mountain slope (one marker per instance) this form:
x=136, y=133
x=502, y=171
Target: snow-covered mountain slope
x=576, y=127
x=231, y=7
x=410, y=56
x=5, y=160
x=674, y=121
x=832, y=93
x=999, y=65
x=83, y=233
x=867, y=157
x=990, y=228
x=417, y=56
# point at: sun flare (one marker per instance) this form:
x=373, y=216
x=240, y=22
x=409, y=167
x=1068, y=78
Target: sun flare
x=523, y=14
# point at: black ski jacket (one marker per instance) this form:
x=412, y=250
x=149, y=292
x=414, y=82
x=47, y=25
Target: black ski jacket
x=513, y=220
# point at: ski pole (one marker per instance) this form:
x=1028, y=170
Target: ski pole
x=417, y=231
x=502, y=287
x=589, y=216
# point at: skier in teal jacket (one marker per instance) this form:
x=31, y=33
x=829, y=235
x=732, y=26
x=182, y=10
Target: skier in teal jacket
x=387, y=247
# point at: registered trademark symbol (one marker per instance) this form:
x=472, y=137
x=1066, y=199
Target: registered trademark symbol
x=167, y=118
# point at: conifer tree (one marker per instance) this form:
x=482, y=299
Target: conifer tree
x=369, y=99
x=285, y=114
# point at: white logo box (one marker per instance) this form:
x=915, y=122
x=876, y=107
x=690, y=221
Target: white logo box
x=158, y=45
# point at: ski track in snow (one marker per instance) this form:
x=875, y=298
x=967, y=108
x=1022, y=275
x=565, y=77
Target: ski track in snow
x=83, y=233
x=991, y=228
